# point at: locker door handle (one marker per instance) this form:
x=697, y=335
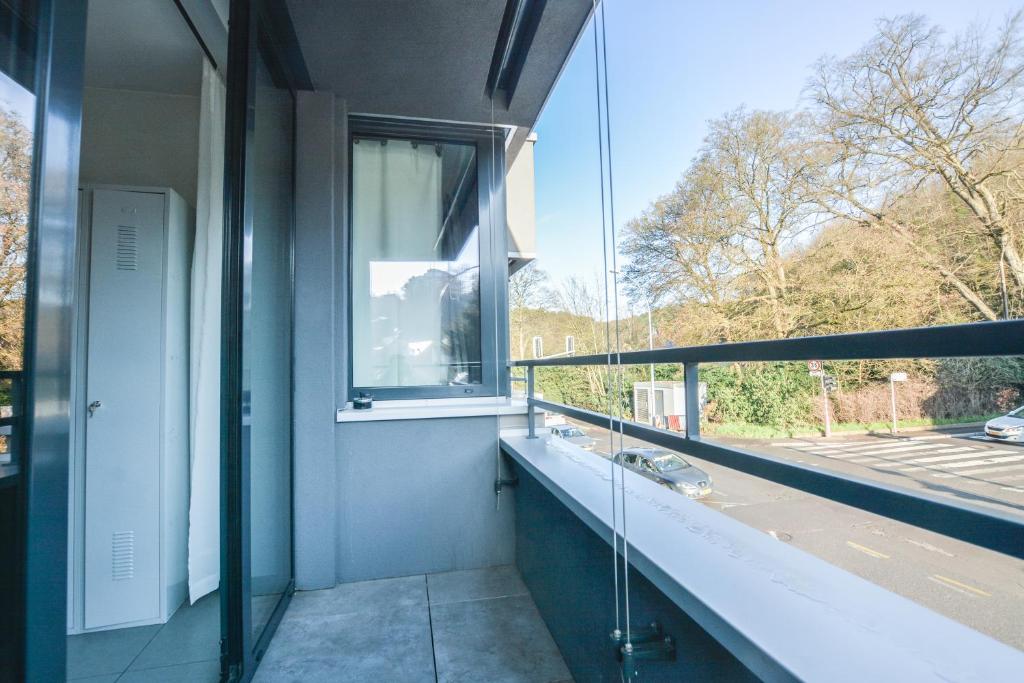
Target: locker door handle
x=93, y=407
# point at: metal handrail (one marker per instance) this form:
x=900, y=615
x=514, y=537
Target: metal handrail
x=1000, y=338
x=986, y=528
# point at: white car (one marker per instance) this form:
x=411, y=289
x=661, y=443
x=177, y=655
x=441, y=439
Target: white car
x=1009, y=427
x=573, y=435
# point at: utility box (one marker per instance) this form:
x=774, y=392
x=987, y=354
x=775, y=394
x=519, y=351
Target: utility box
x=668, y=403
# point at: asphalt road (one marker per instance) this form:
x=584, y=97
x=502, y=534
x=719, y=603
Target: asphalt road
x=980, y=588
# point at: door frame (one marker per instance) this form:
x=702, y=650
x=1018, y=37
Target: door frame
x=256, y=25
x=43, y=484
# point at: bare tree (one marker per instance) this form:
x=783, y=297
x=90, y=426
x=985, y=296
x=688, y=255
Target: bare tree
x=528, y=292
x=729, y=223
x=910, y=107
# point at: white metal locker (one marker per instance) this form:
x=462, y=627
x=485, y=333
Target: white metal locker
x=135, y=401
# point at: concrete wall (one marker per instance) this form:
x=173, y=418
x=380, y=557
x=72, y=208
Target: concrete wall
x=521, y=205
x=372, y=499
x=316, y=254
x=569, y=572
x=417, y=496
x=140, y=138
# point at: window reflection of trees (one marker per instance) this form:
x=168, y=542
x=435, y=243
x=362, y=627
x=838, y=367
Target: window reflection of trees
x=15, y=180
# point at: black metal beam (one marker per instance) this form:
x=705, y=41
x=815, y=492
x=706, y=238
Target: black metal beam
x=1000, y=338
x=515, y=37
x=989, y=529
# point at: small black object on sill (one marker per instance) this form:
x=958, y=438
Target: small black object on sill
x=363, y=402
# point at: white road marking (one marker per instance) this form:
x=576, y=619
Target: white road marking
x=946, y=455
x=946, y=462
x=840, y=456
x=980, y=470
x=983, y=461
x=902, y=449
x=820, y=450
x=929, y=547
x=894, y=463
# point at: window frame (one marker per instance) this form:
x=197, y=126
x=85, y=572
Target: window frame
x=489, y=143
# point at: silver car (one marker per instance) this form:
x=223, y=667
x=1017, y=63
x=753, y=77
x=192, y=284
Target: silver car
x=669, y=470
x=573, y=435
x=1009, y=427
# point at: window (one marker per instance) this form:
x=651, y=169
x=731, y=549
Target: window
x=424, y=263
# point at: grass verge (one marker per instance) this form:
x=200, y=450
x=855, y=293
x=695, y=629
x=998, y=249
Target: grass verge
x=743, y=430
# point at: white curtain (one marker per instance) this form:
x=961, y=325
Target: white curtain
x=204, y=378
x=397, y=268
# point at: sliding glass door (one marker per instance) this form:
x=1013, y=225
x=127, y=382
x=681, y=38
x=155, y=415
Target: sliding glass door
x=257, y=345
x=267, y=348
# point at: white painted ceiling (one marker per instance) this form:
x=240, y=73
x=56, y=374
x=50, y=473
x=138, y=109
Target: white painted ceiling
x=141, y=45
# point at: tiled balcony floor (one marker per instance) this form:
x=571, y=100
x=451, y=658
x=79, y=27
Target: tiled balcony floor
x=186, y=648
x=478, y=625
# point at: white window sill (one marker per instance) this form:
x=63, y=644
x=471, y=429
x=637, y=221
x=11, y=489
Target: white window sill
x=432, y=408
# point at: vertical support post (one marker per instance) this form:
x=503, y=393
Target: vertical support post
x=892, y=402
x=531, y=411
x=651, y=401
x=824, y=404
x=691, y=387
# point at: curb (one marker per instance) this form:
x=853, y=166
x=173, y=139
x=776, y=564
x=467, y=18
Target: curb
x=916, y=428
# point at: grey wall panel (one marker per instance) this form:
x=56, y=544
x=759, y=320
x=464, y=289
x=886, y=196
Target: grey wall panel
x=316, y=257
x=417, y=496
x=568, y=569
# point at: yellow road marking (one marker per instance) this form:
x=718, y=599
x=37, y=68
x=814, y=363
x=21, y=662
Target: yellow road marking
x=954, y=582
x=867, y=551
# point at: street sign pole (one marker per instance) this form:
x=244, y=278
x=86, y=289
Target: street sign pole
x=651, y=402
x=892, y=402
x=824, y=399
x=893, y=378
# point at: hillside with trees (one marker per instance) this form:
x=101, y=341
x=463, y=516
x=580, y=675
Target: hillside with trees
x=893, y=198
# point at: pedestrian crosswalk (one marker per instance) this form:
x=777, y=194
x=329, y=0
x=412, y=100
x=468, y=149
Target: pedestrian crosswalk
x=938, y=456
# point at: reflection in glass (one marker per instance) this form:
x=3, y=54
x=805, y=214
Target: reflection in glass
x=267, y=348
x=415, y=264
x=17, y=108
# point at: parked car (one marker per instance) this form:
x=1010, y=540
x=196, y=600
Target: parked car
x=669, y=470
x=1009, y=427
x=573, y=435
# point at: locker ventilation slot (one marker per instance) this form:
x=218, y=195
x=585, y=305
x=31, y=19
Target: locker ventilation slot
x=127, y=248
x=123, y=555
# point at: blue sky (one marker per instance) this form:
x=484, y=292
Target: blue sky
x=673, y=65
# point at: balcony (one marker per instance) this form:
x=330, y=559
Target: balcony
x=444, y=533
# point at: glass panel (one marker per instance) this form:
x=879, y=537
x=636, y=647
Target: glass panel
x=415, y=264
x=268, y=348
x=17, y=119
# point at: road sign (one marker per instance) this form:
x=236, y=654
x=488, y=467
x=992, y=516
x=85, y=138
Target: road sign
x=814, y=368
x=898, y=377
x=831, y=384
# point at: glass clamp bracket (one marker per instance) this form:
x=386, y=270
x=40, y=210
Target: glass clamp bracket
x=647, y=643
